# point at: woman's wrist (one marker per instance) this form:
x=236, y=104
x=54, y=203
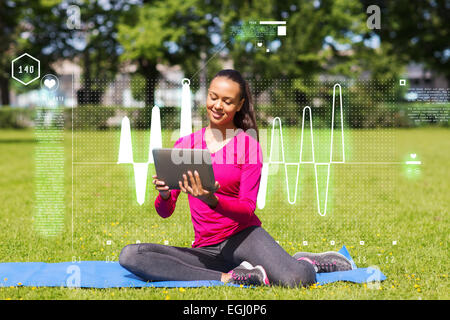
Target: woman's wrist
x=165, y=195
x=212, y=201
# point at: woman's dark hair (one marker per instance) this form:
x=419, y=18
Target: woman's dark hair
x=244, y=118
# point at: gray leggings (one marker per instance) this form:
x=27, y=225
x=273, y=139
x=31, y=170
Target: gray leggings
x=157, y=262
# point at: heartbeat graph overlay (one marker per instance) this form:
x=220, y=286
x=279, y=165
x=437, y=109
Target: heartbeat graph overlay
x=261, y=200
x=126, y=147
x=141, y=168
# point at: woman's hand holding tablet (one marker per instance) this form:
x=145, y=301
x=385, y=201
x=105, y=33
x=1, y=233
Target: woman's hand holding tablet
x=192, y=185
x=179, y=168
x=161, y=187
x=195, y=188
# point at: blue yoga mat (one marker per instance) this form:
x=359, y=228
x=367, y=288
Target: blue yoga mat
x=102, y=274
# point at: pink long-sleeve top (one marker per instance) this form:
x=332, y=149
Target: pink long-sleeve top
x=237, y=167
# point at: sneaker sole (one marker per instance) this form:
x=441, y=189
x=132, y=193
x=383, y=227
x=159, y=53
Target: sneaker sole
x=247, y=265
x=265, y=277
x=342, y=263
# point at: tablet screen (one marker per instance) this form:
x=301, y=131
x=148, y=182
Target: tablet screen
x=172, y=163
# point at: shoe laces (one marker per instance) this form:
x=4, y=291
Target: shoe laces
x=240, y=277
x=325, y=267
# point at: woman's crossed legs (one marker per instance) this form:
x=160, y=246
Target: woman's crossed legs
x=159, y=262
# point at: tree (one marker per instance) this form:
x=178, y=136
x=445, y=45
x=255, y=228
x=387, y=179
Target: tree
x=40, y=28
x=164, y=32
x=35, y=27
x=322, y=37
x=10, y=17
x=241, y=34
x=417, y=31
x=98, y=47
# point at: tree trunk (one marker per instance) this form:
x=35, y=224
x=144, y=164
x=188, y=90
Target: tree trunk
x=87, y=70
x=4, y=91
x=87, y=95
x=150, y=81
x=150, y=73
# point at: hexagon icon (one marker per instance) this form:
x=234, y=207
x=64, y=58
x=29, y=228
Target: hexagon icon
x=25, y=69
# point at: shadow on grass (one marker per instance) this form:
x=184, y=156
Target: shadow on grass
x=13, y=141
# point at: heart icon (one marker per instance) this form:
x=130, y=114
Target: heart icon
x=259, y=44
x=413, y=155
x=49, y=83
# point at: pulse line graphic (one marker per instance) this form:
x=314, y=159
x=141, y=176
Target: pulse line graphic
x=126, y=147
x=261, y=200
x=141, y=168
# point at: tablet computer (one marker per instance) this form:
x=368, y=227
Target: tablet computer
x=172, y=163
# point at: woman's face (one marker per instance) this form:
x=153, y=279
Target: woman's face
x=223, y=101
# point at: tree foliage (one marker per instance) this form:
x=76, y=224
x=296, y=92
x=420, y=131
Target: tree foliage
x=417, y=31
x=323, y=37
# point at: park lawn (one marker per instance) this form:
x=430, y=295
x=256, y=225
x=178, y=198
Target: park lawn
x=372, y=200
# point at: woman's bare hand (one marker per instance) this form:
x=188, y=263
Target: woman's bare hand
x=195, y=188
x=161, y=187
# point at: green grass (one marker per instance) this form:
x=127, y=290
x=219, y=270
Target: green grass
x=374, y=203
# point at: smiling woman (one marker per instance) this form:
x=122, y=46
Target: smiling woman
x=230, y=244
x=229, y=103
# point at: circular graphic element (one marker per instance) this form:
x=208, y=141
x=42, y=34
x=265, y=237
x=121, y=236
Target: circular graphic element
x=50, y=82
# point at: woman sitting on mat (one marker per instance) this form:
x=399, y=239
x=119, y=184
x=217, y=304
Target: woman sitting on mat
x=230, y=244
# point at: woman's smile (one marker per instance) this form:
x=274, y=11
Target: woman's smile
x=216, y=115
